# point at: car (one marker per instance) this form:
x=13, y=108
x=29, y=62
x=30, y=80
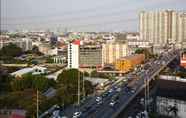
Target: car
x=56, y=113
x=64, y=117
x=112, y=103
x=124, y=80
x=76, y=115
x=118, y=89
x=100, y=102
x=110, y=91
x=115, y=87
x=132, y=91
x=98, y=99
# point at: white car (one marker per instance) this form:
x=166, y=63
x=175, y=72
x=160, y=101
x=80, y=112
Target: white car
x=110, y=91
x=98, y=99
x=56, y=113
x=112, y=103
x=76, y=115
x=118, y=89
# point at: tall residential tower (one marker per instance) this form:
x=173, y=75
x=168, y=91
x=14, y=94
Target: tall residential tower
x=162, y=27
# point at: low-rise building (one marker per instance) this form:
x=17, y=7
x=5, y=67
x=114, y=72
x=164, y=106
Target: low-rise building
x=128, y=63
x=135, y=44
x=132, y=36
x=46, y=49
x=34, y=70
x=183, y=60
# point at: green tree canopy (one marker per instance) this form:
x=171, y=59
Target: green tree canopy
x=10, y=50
x=35, y=50
x=68, y=91
x=146, y=52
x=94, y=73
x=30, y=81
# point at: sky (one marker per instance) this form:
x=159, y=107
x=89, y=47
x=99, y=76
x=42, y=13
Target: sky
x=79, y=15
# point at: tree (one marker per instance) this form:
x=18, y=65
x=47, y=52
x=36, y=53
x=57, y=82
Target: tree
x=139, y=51
x=10, y=50
x=5, y=80
x=94, y=73
x=35, y=50
x=86, y=74
x=35, y=82
x=68, y=81
x=146, y=52
x=23, y=100
x=49, y=60
x=23, y=94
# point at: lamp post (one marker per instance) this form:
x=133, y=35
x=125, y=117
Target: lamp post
x=37, y=104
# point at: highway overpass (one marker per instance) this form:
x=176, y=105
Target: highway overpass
x=92, y=109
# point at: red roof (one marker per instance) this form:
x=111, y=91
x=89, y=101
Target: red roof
x=76, y=42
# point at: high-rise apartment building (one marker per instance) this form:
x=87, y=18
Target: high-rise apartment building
x=162, y=27
x=73, y=54
x=113, y=51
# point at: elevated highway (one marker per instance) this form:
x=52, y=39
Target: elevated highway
x=104, y=109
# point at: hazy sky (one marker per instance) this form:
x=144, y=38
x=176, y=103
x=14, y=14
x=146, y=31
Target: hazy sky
x=80, y=15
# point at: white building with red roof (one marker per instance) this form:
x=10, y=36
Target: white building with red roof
x=73, y=54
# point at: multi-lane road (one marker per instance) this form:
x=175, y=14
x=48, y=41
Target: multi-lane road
x=118, y=96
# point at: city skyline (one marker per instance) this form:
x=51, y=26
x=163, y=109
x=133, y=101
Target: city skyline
x=79, y=16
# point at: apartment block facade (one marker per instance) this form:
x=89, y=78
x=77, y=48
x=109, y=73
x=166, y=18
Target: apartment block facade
x=113, y=51
x=90, y=56
x=162, y=27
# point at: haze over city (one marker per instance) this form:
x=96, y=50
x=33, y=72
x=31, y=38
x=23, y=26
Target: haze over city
x=93, y=59
x=79, y=15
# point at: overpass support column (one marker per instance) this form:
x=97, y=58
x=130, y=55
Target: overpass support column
x=147, y=96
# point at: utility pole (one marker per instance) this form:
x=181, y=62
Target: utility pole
x=37, y=104
x=83, y=86
x=148, y=96
x=145, y=100
x=78, y=88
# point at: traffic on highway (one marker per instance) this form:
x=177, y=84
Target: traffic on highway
x=110, y=103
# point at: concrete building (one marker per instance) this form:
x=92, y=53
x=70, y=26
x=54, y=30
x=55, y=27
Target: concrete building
x=36, y=70
x=108, y=37
x=90, y=56
x=133, y=45
x=25, y=44
x=163, y=105
x=46, y=49
x=128, y=63
x=163, y=27
x=132, y=36
x=183, y=60
x=113, y=51
x=73, y=54
x=59, y=59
